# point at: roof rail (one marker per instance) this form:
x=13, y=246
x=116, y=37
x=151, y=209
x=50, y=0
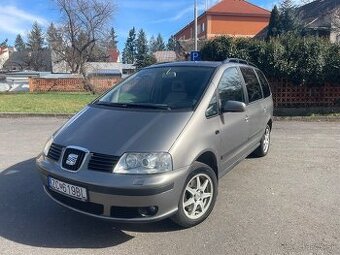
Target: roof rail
x=238, y=60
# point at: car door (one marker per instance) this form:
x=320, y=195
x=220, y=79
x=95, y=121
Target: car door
x=233, y=125
x=255, y=111
x=267, y=103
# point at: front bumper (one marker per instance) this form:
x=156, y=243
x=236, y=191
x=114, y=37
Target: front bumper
x=117, y=197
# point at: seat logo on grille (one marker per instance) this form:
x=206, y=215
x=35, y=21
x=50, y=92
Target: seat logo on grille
x=72, y=159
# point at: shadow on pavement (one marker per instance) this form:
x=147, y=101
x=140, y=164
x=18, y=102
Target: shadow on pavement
x=29, y=217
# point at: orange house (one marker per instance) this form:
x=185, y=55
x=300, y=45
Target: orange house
x=237, y=18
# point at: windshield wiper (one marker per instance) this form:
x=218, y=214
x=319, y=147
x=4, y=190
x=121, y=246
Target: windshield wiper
x=111, y=104
x=136, y=105
x=149, y=106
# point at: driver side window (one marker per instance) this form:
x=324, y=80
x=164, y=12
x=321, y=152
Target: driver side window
x=230, y=86
x=229, y=89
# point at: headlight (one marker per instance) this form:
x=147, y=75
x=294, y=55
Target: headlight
x=144, y=163
x=48, y=146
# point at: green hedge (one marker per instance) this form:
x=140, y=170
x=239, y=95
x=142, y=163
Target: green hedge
x=302, y=60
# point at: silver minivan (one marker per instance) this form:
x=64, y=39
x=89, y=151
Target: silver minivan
x=155, y=145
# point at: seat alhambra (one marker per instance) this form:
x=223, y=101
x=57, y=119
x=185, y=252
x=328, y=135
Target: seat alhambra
x=156, y=144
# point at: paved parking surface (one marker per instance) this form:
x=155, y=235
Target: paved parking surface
x=285, y=203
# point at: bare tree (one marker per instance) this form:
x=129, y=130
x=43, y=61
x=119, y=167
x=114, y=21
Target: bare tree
x=79, y=36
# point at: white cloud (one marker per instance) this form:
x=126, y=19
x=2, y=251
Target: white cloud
x=149, y=5
x=182, y=13
x=16, y=21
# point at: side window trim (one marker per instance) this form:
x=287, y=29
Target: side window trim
x=244, y=86
x=217, y=95
x=218, y=106
x=259, y=81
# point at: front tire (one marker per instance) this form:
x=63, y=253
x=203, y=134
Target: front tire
x=198, y=196
x=263, y=149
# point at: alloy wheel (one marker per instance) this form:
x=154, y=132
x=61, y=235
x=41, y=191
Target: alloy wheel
x=198, y=196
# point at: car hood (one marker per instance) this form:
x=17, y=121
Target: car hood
x=114, y=131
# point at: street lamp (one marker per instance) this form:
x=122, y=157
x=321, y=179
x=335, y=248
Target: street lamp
x=195, y=10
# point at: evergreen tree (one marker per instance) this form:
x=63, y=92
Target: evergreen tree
x=36, y=56
x=160, y=43
x=274, y=23
x=288, y=18
x=152, y=45
x=171, y=43
x=19, y=43
x=157, y=44
x=129, y=52
x=141, y=49
x=144, y=58
x=113, y=39
x=35, y=38
x=286, y=5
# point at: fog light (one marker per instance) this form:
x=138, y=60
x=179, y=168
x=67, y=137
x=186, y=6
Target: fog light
x=148, y=211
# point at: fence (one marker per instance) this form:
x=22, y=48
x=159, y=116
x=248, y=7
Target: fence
x=284, y=93
x=287, y=95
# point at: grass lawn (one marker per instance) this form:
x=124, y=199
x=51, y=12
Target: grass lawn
x=53, y=102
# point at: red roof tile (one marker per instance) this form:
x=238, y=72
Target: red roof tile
x=238, y=7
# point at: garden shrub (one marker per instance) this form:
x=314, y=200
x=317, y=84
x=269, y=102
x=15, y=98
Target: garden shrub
x=301, y=60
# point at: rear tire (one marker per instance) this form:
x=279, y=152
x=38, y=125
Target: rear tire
x=263, y=149
x=198, y=196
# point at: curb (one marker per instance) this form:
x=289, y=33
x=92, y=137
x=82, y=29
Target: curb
x=34, y=115
x=307, y=118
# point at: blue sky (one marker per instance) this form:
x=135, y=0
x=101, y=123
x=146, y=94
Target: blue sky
x=154, y=16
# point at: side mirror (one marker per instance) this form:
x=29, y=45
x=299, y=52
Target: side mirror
x=233, y=106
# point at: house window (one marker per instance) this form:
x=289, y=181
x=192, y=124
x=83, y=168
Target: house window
x=192, y=33
x=202, y=27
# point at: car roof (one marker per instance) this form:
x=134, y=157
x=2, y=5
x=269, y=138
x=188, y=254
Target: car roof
x=189, y=63
x=213, y=64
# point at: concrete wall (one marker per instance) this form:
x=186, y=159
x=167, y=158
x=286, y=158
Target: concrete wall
x=217, y=25
x=187, y=33
x=4, y=56
x=237, y=26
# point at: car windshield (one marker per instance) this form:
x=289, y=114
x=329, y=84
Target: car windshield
x=178, y=87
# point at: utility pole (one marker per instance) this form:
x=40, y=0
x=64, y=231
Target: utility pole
x=195, y=9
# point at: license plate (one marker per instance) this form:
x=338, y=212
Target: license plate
x=67, y=189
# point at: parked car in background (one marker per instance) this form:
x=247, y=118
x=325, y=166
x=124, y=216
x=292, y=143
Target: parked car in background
x=156, y=144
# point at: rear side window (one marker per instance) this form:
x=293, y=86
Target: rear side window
x=264, y=84
x=252, y=83
x=230, y=86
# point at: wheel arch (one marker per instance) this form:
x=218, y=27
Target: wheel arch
x=270, y=123
x=209, y=158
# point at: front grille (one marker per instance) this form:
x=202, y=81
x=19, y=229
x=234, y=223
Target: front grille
x=132, y=212
x=55, y=152
x=124, y=212
x=102, y=162
x=73, y=159
x=88, y=207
